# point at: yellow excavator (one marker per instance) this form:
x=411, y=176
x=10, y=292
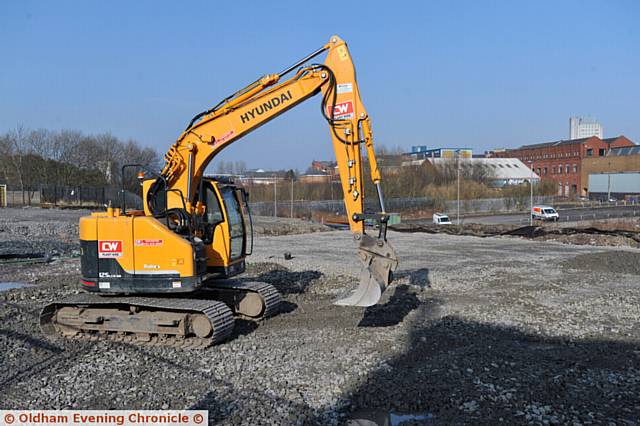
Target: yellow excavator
x=163, y=275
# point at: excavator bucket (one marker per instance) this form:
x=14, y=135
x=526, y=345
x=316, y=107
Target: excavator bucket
x=379, y=261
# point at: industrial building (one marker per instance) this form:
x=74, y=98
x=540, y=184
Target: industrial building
x=617, y=186
x=500, y=171
x=619, y=170
x=420, y=152
x=561, y=161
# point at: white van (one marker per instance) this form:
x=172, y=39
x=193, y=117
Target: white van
x=544, y=213
x=441, y=219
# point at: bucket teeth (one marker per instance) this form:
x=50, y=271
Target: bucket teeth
x=379, y=261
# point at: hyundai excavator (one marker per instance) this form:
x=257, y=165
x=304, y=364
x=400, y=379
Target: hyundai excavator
x=164, y=275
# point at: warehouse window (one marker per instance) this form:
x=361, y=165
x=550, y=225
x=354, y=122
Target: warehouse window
x=589, y=152
x=601, y=152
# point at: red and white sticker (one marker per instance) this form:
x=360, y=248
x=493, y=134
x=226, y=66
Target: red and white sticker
x=225, y=137
x=341, y=110
x=149, y=243
x=109, y=249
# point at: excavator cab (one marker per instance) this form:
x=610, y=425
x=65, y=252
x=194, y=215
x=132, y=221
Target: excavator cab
x=225, y=226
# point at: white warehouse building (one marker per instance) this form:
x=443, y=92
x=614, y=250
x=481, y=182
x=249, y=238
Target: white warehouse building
x=502, y=171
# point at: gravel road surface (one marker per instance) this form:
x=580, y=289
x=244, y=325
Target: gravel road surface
x=473, y=331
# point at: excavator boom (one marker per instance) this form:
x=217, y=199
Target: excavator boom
x=268, y=97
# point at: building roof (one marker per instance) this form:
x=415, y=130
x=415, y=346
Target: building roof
x=566, y=142
x=260, y=173
x=627, y=150
x=555, y=143
x=498, y=168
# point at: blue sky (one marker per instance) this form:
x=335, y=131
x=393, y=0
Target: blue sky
x=477, y=74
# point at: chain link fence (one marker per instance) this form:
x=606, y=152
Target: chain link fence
x=71, y=197
x=399, y=205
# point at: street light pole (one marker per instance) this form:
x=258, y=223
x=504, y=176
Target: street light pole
x=531, y=197
x=458, y=213
x=609, y=182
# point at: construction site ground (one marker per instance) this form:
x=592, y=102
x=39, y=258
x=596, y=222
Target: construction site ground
x=475, y=330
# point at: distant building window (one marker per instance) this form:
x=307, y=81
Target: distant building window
x=545, y=170
x=568, y=169
x=589, y=152
x=575, y=168
x=538, y=170
x=553, y=170
x=560, y=169
x=601, y=152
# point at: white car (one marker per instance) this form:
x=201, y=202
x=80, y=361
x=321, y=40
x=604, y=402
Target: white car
x=441, y=219
x=544, y=213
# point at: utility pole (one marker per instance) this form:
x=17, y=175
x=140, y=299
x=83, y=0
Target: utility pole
x=275, y=197
x=291, y=175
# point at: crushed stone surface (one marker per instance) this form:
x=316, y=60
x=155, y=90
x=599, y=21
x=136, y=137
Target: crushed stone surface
x=473, y=331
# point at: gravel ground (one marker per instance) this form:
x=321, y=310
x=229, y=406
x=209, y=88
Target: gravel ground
x=474, y=331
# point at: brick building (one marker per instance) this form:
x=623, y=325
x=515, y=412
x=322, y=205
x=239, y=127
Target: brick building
x=561, y=161
x=617, y=161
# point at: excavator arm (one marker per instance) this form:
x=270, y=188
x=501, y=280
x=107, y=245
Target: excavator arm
x=211, y=131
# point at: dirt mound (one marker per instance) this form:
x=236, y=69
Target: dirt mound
x=622, y=262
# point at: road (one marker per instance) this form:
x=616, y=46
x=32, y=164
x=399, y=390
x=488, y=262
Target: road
x=566, y=215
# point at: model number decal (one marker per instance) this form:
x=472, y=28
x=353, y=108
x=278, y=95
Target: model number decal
x=149, y=243
x=109, y=249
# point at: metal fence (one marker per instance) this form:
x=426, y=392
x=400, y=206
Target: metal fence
x=399, y=205
x=71, y=196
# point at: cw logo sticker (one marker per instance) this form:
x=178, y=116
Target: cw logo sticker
x=109, y=249
x=341, y=110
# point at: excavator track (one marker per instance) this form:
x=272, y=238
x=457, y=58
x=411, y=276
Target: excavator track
x=248, y=300
x=180, y=323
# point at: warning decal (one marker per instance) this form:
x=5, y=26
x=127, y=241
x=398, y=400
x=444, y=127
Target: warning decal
x=345, y=88
x=109, y=249
x=149, y=243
